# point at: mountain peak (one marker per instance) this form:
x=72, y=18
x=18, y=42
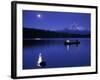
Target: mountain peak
x=76, y=27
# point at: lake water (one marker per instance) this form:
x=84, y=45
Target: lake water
x=56, y=54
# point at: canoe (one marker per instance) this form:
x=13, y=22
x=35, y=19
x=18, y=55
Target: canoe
x=69, y=42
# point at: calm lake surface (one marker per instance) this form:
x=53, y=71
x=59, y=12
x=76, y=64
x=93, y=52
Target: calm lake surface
x=56, y=54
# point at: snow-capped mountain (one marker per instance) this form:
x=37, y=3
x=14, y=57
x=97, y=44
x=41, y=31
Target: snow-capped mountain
x=76, y=29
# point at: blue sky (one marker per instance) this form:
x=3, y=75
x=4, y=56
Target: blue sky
x=55, y=20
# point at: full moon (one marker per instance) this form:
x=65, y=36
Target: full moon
x=38, y=15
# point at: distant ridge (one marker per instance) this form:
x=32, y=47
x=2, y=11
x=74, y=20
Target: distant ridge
x=38, y=33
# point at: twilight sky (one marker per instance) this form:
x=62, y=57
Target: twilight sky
x=56, y=20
